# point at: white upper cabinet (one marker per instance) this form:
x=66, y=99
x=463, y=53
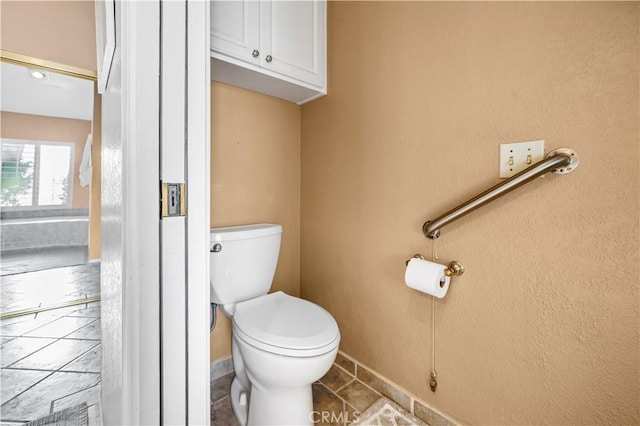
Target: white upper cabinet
x=293, y=36
x=271, y=46
x=235, y=29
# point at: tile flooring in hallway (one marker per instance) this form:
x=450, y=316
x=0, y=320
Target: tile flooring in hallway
x=47, y=287
x=50, y=361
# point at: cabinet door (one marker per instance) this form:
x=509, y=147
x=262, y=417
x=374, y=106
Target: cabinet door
x=235, y=29
x=293, y=39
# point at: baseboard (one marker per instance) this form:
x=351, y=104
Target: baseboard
x=393, y=391
x=98, y=260
x=221, y=367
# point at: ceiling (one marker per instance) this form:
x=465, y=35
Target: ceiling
x=56, y=95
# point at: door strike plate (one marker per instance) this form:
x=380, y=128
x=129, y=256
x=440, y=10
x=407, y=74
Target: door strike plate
x=173, y=199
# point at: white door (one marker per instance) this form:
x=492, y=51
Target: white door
x=155, y=270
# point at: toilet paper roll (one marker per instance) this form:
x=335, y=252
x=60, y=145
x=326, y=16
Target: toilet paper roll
x=427, y=277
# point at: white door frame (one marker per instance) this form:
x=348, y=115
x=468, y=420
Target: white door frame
x=185, y=146
x=198, y=210
x=140, y=359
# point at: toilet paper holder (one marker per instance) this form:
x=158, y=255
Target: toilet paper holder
x=454, y=269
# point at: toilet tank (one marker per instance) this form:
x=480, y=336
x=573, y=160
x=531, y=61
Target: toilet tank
x=243, y=261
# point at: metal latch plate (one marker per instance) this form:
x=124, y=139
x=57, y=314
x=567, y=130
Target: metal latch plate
x=173, y=199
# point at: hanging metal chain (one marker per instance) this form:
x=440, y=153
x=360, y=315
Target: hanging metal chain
x=433, y=383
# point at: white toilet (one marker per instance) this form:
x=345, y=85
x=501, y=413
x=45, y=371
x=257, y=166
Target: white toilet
x=281, y=344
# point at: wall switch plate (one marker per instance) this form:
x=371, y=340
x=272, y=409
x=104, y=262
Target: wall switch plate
x=515, y=157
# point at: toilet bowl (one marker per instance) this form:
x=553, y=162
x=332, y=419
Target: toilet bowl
x=284, y=344
x=281, y=344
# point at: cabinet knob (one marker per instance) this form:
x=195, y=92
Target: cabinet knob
x=268, y=58
x=255, y=53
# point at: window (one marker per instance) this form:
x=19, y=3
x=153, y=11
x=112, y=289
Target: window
x=36, y=174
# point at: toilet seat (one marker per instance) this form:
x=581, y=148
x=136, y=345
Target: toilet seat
x=286, y=325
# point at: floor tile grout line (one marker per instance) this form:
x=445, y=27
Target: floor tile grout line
x=372, y=389
x=59, y=370
x=30, y=387
x=30, y=369
x=84, y=326
x=40, y=326
x=344, y=386
x=339, y=397
x=345, y=370
x=53, y=371
x=31, y=353
x=75, y=393
x=75, y=339
x=369, y=386
x=31, y=323
x=65, y=335
x=18, y=422
x=221, y=399
x=77, y=372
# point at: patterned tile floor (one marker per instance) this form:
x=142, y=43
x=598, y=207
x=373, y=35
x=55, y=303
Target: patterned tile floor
x=338, y=399
x=50, y=361
x=50, y=286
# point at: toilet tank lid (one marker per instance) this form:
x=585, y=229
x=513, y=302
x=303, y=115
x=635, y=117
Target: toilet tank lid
x=244, y=232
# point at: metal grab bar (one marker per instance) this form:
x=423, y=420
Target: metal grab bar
x=559, y=161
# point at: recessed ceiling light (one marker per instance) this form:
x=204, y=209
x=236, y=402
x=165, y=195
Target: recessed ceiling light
x=37, y=74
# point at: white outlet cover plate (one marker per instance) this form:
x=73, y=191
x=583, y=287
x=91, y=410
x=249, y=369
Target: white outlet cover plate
x=521, y=155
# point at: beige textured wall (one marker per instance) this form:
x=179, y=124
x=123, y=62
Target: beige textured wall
x=41, y=128
x=543, y=328
x=255, y=177
x=60, y=31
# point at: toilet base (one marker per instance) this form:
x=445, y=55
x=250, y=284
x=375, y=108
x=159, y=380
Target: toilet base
x=240, y=410
x=271, y=406
x=280, y=406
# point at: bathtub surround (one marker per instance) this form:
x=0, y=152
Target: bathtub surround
x=40, y=232
x=31, y=260
x=31, y=240
x=30, y=214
